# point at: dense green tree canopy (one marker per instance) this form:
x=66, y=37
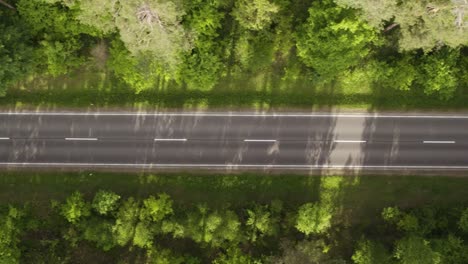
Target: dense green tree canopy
x=333, y=39
x=423, y=24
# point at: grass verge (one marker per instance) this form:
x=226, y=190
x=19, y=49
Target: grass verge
x=360, y=199
x=90, y=88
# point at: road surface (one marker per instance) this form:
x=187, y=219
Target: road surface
x=233, y=140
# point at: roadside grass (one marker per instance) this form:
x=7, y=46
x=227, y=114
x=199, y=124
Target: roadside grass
x=358, y=199
x=90, y=87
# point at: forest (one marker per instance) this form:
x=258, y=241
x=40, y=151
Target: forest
x=231, y=54
x=223, y=53
x=237, y=219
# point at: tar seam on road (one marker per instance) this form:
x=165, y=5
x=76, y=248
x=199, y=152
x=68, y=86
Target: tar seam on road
x=233, y=114
x=81, y=139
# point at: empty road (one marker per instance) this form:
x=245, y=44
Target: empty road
x=233, y=140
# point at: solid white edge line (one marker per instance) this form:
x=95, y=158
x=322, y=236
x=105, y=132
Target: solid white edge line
x=155, y=165
x=4, y=138
x=350, y=141
x=259, y=140
x=81, y=139
x=170, y=139
x=233, y=114
x=438, y=142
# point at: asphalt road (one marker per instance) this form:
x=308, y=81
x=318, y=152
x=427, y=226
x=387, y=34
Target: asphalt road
x=233, y=140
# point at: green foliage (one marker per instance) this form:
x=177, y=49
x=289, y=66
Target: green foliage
x=370, y=252
x=254, y=14
x=58, y=32
x=75, y=208
x=17, y=58
x=143, y=236
x=463, y=222
x=439, y=73
x=171, y=230
x=139, y=73
x=126, y=220
x=9, y=236
x=451, y=249
x=99, y=231
x=415, y=250
x=312, y=218
x=400, y=73
x=155, y=210
x=423, y=24
x=260, y=222
x=305, y=251
x=212, y=227
x=60, y=57
x=105, y=202
x=163, y=256
x=391, y=214
x=235, y=256
x=333, y=39
x=203, y=66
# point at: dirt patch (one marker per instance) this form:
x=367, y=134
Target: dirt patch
x=100, y=54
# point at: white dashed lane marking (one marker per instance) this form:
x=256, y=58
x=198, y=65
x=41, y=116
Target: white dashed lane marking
x=81, y=139
x=439, y=142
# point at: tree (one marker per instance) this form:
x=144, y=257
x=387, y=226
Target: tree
x=423, y=24
x=369, y=252
x=126, y=221
x=153, y=26
x=398, y=73
x=151, y=214
x=59, y=33
x=254, y=14
x=415, y=250
x=203, y=66
x=17, y=55
x=155, y=210
x=143, y=235
x=439, y=73
x=212, y=227
x=157, y=255
x=376, y=12
x=452, y=249
x=140, y=73
x=75, y=208
x=260, y=222
x=105, y=202
x=60, y=56
x=10, y=232
x=99, y=231
x=234, y=255
x=312, y=218
x=304, y=252
x=463, y=222
x=333, y=39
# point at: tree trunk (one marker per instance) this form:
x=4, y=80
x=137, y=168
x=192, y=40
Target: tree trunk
x=391, y=27
x=7, y=5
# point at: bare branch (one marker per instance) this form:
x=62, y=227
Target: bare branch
x=7, y=5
